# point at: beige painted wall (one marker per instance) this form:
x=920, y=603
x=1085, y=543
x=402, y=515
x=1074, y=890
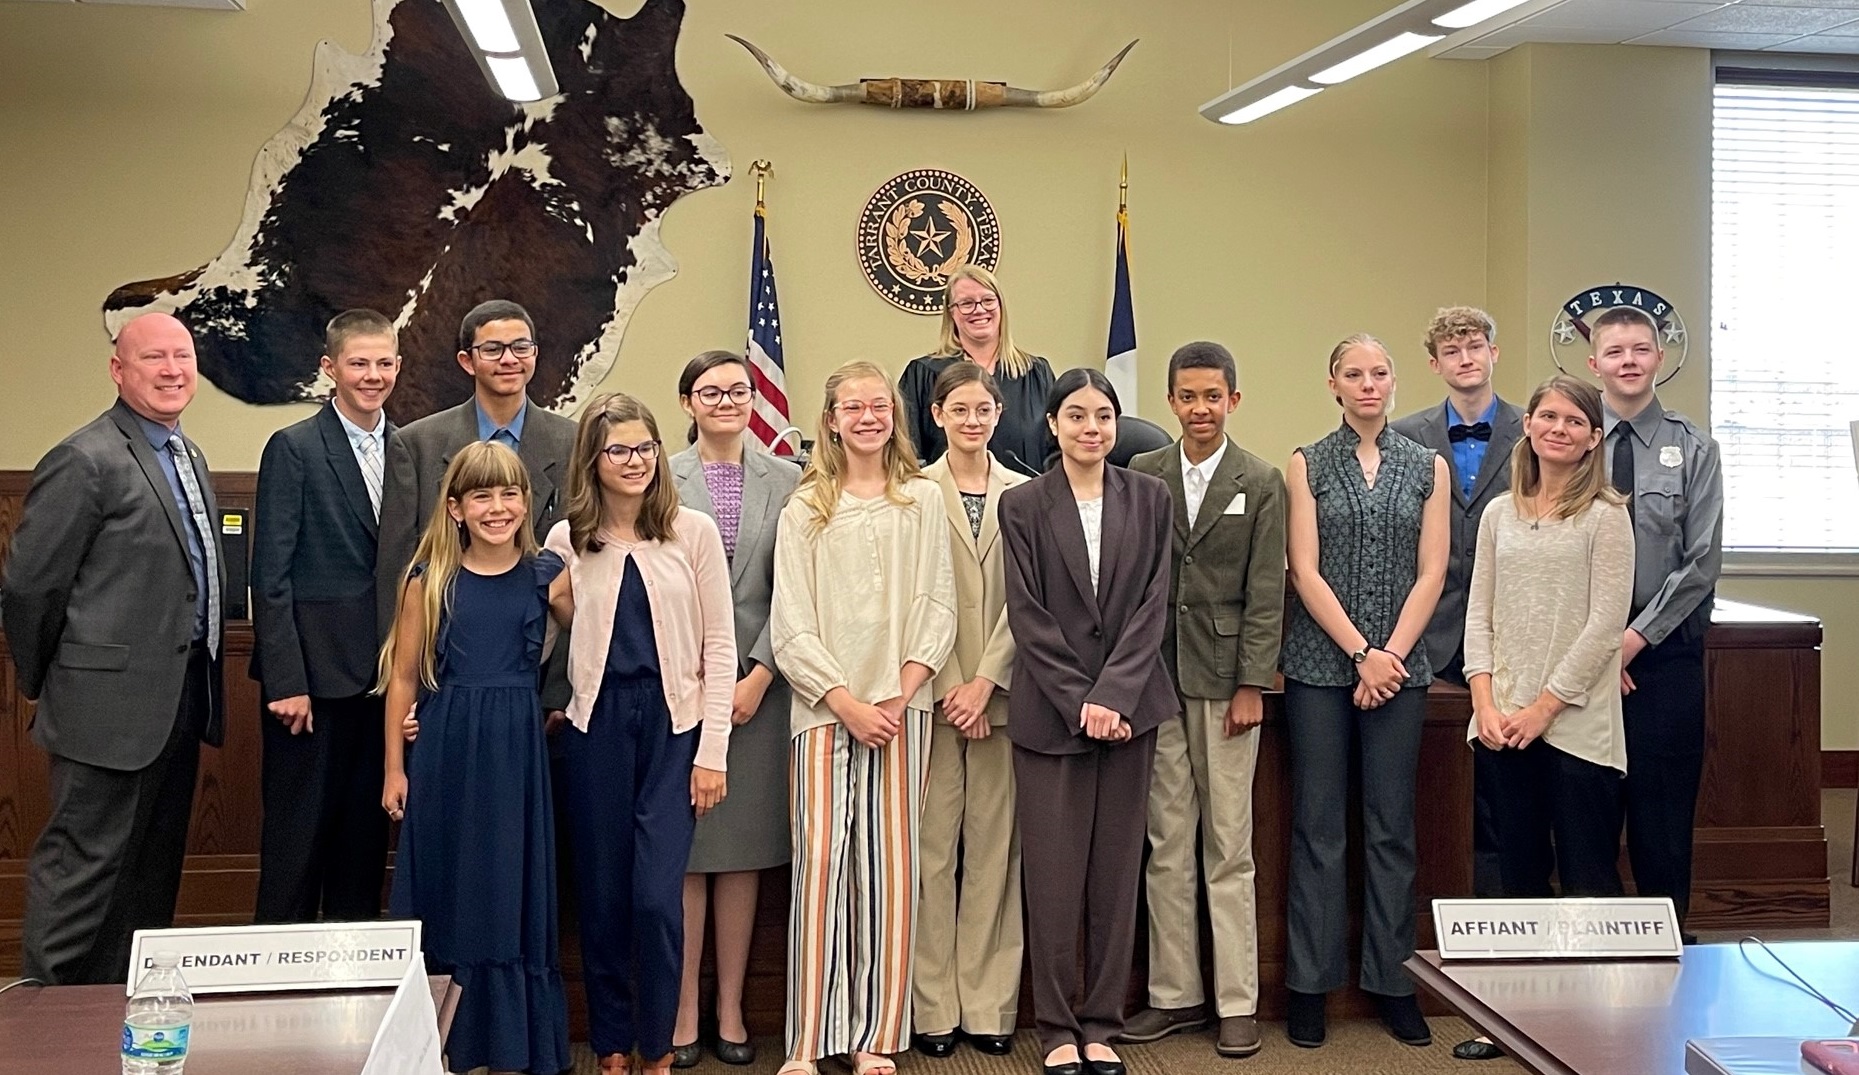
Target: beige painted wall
x=127, y=135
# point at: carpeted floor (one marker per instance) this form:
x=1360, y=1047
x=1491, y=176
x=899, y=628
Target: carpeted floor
x=1357, y=1046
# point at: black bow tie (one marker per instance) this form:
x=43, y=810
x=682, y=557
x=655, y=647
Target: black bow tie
x=1475, y=431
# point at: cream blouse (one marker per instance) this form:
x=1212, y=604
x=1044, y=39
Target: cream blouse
x=857, y=600
x=1548, y=604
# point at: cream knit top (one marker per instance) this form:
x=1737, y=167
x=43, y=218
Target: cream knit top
x=1548, y=604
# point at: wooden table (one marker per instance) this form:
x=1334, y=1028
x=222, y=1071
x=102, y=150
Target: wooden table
x=68, y=1030
x=1634, y=1018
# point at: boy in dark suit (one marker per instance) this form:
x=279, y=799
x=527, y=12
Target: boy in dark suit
x=1226, y=619
x=320, y=484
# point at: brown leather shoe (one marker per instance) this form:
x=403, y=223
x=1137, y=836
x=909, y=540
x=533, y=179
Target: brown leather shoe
x=1154, y=1024
x=1239, y=1036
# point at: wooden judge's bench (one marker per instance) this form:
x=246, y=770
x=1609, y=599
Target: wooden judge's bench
x=1761, y=859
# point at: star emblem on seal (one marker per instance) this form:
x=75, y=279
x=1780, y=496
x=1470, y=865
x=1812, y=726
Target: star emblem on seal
x=1570, y=331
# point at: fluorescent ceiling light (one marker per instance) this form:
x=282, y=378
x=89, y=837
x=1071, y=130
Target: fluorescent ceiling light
x=514, y=78
x=1265, y=106
x=1369, y=59
x=1474, y=13
x=490, y=25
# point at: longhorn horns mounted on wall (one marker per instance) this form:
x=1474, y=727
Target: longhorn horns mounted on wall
x=965, y=94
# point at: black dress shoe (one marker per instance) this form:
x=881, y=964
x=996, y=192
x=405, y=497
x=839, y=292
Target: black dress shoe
x=1401, y=1015
x=1474, y=1049
x=1304, y=1019
x=939, y=1046
x=1103, y=1067
x=687, y=1056
x=733, y=1052
x=1070, y=1067
x=992, y=1044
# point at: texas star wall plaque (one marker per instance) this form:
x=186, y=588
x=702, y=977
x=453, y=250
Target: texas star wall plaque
x=918, y=228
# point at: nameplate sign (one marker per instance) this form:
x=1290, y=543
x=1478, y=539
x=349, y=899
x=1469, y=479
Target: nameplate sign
x=1623, y=927
x=254, y=959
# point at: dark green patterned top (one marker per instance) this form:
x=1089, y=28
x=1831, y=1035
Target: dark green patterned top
x=1368, y=550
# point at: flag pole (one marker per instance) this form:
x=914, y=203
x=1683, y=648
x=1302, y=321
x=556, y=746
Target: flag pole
x=761, y=170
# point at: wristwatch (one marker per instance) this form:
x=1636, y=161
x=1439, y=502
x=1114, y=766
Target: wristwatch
x=1360, y=655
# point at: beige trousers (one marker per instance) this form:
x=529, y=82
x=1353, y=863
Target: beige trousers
x=1203, y=781
x=968, y=944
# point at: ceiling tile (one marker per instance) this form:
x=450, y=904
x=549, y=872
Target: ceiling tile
x=1481, y=52
x=1628, y=16
x=1705, y=40
x=1823, y=43
x=1753, y=19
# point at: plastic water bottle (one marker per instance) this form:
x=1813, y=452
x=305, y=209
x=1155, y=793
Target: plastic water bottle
x=157, y=1020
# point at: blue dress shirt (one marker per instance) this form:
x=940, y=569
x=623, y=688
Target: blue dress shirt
x=510, y=436
x=1468, y=455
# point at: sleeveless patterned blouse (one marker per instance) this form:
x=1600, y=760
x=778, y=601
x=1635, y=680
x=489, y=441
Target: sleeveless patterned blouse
x=1368, y=550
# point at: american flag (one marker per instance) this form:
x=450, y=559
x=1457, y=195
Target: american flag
x=770, y=416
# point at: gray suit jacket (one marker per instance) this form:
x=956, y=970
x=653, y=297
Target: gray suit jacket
x=767, y=481
x=1445, y=635
x=1226, y=615
x=98, y=598
x=417, y=455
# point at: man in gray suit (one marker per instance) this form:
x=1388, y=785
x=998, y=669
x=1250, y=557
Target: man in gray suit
x=113, y=609
x=1474, y=431
x=497, y=347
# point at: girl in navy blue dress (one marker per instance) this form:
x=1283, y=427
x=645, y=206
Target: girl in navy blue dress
x=476, y=863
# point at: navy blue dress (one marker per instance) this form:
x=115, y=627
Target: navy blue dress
x=476, y=863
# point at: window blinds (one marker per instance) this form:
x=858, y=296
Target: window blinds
x=1784, y=273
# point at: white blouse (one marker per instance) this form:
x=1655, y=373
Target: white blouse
x=1091, y=516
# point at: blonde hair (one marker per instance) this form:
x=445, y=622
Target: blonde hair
x=1009, y=360
x=1590, y=482
x=478, y=465
x=825, y=476
x=1360, y=339
x=1452, y=322
x=659, y=512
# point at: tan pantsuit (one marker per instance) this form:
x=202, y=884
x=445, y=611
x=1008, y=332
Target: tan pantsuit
x=1202, y=784
x=968, y=964
x=969, y=942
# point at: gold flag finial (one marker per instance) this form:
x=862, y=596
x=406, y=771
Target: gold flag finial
x=1123, y=187
x=761, y=170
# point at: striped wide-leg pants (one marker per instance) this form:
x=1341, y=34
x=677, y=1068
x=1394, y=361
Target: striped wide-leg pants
x=855, y=814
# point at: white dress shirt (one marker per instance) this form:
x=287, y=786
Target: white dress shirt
x=1195, y=478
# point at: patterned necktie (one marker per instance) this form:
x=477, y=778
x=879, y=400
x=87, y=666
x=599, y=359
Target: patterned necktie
x=203, y=529
x=371, y=472
x=1195, y=484
x=1623, y=465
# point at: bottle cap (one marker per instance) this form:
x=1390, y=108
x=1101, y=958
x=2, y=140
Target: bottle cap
x=166, y=958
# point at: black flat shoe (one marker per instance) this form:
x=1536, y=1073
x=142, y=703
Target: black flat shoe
x=1103, y=1067
x=938, y=1046
x=992, y=1044
x=1476, y=1050
x=733, y=1052
x=687, y=1056
x=1070, y=1067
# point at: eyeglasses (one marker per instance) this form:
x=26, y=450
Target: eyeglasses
x=493, y=350
x=621, y=454
x=712, y=395
x=855, y=408
x=961, y=414
x=974, y=305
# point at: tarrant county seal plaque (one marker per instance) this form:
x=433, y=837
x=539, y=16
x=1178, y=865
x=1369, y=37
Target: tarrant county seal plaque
x=917, y=229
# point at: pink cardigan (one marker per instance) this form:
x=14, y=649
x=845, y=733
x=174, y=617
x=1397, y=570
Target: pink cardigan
x=693, y=619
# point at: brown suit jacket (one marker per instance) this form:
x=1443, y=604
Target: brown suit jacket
x=1073, y=645
x=1226, y=615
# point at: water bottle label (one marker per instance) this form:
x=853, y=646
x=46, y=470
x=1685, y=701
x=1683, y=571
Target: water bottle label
x=155, y=1043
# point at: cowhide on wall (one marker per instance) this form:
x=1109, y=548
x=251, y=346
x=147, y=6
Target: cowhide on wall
x=407, y=185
